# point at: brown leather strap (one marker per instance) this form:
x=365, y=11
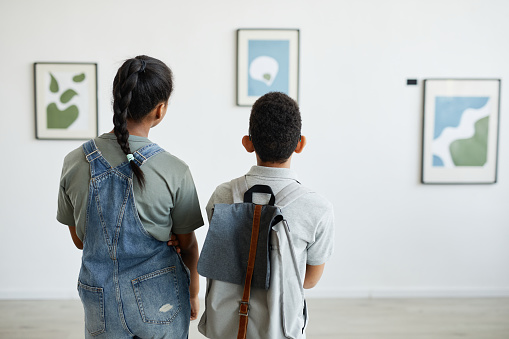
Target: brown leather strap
x=244, y=303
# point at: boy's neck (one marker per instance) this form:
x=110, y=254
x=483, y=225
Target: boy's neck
x=285, y=164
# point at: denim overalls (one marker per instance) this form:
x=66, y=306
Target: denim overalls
x=130, y=284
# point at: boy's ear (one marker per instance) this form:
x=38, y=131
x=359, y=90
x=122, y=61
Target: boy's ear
x=302, y=143
x=248, y=144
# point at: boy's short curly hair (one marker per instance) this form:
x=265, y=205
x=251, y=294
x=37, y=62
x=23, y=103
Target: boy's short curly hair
x=274, y=127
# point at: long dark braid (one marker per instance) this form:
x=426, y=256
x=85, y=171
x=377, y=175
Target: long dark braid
x=140, y=85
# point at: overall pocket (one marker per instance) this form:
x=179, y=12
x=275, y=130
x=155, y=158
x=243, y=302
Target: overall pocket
x=93, y=304
x=157, y=295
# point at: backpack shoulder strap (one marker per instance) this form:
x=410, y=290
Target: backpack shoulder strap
x=286, y=196
x=239, y=187
x=290, y=193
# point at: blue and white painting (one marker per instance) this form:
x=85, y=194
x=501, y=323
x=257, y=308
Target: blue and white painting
x=461, y=131
x=268, y=66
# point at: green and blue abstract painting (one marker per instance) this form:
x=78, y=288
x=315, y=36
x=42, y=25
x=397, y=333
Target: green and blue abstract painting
x=461, y=131
x=268, y=66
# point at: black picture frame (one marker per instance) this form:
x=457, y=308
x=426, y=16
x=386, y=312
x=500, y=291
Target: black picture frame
x=460, y=131
x=267, y=61
x=65, y=100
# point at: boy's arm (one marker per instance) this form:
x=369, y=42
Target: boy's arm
x=322, y=247
x=313, y=275
x=189, y=253
x=75, y=239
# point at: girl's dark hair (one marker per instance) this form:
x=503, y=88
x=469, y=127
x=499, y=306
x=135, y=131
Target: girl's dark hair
x=274, y=127
x=140, y=85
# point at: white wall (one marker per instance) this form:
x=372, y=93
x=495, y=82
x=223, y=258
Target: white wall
x=394, y=237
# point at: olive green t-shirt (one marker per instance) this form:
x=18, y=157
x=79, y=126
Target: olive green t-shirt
x=167, y=204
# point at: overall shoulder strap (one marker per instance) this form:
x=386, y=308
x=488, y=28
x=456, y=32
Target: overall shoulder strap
x=98, y=164
x=91, y=150
x=239, y=187
x=143, y=154
x=290, y=193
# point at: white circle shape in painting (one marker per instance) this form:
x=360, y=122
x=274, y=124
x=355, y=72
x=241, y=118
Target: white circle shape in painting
x=264, y=68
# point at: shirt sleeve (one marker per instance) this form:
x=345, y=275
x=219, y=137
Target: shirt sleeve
x=222, y=195
x=210, y=206
x=186, y=213
x=322, y=248
x=65, y=209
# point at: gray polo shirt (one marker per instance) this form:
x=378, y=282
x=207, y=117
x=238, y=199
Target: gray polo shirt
x=310, y=218
x=168, y=203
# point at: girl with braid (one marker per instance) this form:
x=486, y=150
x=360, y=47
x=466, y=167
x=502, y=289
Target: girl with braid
x=122, y=197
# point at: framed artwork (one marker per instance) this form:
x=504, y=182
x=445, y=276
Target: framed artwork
x=65, y=100
x=460, y=131
x=267, y=61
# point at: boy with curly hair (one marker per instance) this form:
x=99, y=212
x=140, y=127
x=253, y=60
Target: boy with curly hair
x=274, y=135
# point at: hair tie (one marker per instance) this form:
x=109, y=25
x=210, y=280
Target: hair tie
x=143, y=65
x=130, y=157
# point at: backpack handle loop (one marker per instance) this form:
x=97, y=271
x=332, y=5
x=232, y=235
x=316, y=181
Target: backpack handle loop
x=248, y=196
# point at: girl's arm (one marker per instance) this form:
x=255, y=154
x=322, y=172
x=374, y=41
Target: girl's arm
x=189, y=253
x=75, y=239
x=313, y=275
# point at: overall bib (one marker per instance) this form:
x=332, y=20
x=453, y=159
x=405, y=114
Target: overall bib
x=130, y=284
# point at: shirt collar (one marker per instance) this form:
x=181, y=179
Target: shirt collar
x=273, y=172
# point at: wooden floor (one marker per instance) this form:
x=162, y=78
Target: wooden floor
x=333, y=318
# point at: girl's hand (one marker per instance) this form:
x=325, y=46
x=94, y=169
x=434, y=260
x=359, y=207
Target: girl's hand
x=174, y=242
x=190, y=255
x=195, y=307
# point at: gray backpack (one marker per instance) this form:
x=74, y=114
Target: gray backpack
x=252, y=295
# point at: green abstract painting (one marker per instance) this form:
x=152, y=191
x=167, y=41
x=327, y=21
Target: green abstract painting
x=57, y=118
